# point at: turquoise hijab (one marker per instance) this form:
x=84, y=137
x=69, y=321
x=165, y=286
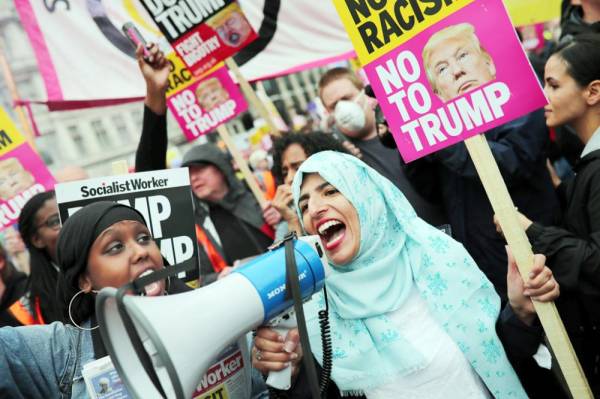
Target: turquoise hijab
x=400, y=252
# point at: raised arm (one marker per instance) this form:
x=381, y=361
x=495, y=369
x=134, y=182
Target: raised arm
x=152, y=148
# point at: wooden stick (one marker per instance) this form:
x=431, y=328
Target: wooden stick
x=272, y=109
x=252, y=97
x=503, y=206
x=242, y=164
x=14, y=93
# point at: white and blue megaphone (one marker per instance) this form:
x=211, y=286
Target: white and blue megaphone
x=180, y=335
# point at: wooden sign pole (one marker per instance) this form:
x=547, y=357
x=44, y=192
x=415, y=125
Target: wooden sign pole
x=261, y=90
x=503, y=206
x=252, y=97
x=243, y=165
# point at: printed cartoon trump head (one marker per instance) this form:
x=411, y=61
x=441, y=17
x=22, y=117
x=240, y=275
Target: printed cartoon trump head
x=211, y=93
x=231, y=26
x=13, y=178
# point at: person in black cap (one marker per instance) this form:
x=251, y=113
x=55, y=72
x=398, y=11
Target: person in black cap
x=104, y=244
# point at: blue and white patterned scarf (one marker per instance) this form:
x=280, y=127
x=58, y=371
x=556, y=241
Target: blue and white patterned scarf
x=399, y=251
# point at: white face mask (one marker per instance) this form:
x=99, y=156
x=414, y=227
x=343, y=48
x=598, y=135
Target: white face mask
x=349, y=115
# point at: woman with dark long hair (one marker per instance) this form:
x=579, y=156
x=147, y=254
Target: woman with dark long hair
x=572, y=85
x=39, y=225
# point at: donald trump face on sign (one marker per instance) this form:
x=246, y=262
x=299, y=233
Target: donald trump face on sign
x=456, y=62
x=13, y=178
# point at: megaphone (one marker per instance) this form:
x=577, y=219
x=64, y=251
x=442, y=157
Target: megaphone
x=182, y=334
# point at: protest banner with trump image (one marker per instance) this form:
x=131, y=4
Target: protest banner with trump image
x=200, y=105
x=443, y=70
x=22, y=172
x=202, y=32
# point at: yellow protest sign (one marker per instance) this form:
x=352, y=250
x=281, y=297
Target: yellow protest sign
x=180, y=76
x=22, y=172
x=377, y=27
x=529, y=12
x=10, y=138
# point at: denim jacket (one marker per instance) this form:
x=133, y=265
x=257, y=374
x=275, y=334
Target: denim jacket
x=44, y=361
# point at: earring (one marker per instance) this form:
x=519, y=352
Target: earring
x=71, y=317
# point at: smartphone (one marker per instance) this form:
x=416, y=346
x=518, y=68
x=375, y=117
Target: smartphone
x=135, y=37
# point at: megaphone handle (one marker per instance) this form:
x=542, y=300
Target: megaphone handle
x=282, y=379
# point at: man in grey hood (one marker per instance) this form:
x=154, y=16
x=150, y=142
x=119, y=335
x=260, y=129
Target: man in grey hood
x=225, y=210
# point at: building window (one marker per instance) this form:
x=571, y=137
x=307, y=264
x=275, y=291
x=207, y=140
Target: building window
x=77, y=140
x=121, y=128
x=101, y=133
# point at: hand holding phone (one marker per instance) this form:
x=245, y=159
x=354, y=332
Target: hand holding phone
x=136, y=38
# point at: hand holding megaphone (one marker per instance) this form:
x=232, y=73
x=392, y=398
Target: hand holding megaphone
x=154, y=352
x=282, y=379
x=277, y=353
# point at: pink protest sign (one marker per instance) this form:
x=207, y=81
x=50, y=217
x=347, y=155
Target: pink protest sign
x=203, y=105
x=22, y=172
x=457, y=78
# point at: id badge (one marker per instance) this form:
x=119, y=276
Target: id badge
x=102, y=380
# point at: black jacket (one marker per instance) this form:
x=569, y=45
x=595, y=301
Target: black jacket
x=519, y=150
x=573, y=254
x=572, y=23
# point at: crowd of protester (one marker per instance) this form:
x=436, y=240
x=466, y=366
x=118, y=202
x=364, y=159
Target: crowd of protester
x=421, y=276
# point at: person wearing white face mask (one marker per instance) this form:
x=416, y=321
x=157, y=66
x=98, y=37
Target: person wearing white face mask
x=350, y=115
x=343, y=96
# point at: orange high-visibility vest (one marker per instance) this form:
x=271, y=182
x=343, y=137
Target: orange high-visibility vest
x=269, y=185
x=22, y=314
x=216, y=260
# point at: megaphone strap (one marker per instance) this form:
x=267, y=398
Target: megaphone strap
x=134, y=337
x=138, y=286
x=293, y=286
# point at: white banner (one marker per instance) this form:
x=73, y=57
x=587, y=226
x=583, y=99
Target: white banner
x=85, y=60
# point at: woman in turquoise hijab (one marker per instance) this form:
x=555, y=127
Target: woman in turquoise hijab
x=411, y=313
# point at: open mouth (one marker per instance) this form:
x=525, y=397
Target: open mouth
x=152, y=289
x=332, y=233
